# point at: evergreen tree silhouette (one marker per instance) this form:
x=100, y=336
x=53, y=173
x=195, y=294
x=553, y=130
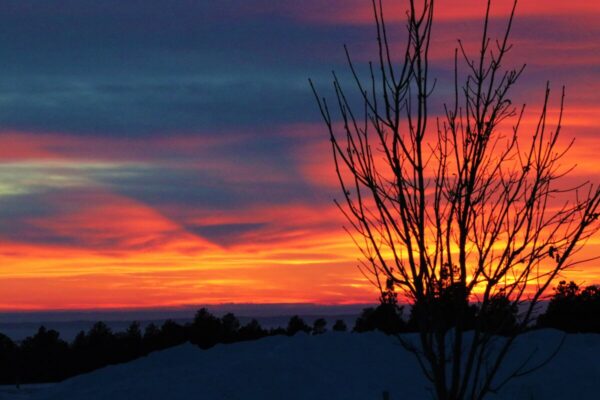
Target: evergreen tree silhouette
x=319, y=326
x=340, y=326
x=295, y=325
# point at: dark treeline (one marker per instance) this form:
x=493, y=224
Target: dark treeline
x=45, y=357
x=571, y=309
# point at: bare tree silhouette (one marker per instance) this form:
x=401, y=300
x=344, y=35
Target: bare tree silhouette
x=467, y=207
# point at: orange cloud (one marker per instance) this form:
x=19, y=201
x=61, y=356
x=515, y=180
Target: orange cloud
x=126, y=254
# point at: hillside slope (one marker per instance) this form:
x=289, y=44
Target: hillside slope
x=330, y=366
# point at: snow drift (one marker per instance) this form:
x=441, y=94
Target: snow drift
x=330, y=366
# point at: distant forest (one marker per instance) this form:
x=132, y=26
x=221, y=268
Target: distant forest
x=45, y=357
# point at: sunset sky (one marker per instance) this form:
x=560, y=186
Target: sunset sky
x=164, y=153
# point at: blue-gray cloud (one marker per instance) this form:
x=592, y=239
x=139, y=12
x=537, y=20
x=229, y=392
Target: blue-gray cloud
x=144, y=68
x=147, y=67
x=138, y=68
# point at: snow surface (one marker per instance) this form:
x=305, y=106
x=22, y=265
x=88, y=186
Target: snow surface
x=23, y=393
x=331, y=366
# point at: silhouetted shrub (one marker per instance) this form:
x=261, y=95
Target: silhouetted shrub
x=386, y=318
x=295, y=325
x=206, y=329
x=128, y=344
x=44, y=356
x=340, y=326
x=152, y=338
x=319, y=326
x=277, y=331
x=172, y=334
x=498, y=316
x=443, y=310
x=8, y=361
x=572, y=309
x=95, y=349
x=230, y=327
x=133, y=333
x=251, y=331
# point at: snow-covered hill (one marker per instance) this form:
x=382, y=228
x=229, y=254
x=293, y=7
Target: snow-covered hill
x=331, y=366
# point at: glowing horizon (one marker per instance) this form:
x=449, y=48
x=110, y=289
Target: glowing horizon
x=152, y=159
